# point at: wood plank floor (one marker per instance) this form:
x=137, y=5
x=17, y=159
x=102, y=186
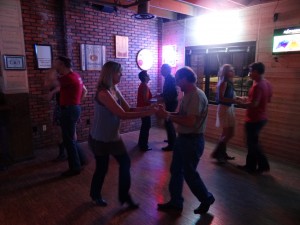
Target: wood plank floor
x=33, y=192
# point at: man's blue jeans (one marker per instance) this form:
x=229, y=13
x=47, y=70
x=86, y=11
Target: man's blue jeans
x=69, y=118
x=171, y=133
x=255, y=156
x=186, y=155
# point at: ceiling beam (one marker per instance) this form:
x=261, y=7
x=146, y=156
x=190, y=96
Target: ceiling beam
x=175, y=6
x=157, y=12
x=216, y=5
x=169, y=8
x=240, y=2
x=163, y=13
x=162, y=8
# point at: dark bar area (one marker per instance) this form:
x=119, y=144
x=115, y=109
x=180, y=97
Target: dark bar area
x=149, y=112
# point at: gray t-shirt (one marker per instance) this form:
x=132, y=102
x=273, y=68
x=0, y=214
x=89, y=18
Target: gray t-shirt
x=194, y=103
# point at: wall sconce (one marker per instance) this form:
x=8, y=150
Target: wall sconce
x=169, y=55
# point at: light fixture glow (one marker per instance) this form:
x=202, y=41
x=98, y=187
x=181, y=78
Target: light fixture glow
x=145, y=59
x=217, y=28
x=169, y=55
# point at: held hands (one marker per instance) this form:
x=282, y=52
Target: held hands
x=162, y=113
x=153, y=108
x=241, y=100
x=158, y=98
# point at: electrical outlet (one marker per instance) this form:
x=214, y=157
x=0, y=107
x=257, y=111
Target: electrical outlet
x=44, y=127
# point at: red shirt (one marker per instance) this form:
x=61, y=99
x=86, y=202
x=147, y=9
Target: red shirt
x=260, y=92
x=71, y=86
x=140, y=98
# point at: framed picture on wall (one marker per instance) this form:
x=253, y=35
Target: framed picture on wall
x=14, y=62
x=92, y=57
x=43, y=54
x=121, y=46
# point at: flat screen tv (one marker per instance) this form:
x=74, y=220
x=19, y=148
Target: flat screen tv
x=286, y=40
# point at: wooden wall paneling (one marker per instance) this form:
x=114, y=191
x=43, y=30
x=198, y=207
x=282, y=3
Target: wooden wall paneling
x=281, y=136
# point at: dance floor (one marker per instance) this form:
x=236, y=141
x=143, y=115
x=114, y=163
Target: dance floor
x=34, y=193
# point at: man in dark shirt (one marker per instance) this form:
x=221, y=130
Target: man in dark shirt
x=169, y=96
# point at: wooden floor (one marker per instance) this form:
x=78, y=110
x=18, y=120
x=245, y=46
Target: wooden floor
x=33, y=192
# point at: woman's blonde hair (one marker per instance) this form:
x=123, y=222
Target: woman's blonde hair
x=107, y=73
x=224, y=70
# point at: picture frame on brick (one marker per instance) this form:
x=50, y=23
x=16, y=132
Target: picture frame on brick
x=121, y=46
x=43, y=54
x=14, y=62
x=92, y=57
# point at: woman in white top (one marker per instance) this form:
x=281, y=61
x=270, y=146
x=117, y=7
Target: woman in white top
x=226, y=98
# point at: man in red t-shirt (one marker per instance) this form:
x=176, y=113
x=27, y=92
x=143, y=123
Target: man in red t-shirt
x=256, y=118
x=71, y=90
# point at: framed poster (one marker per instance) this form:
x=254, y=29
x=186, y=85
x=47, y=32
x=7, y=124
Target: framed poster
x=43, y=55
x=121, y=46
x=92, y=57
x=14, y=62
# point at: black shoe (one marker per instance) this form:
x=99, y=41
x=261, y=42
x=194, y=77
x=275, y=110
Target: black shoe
x=131, y=204
x=167, y=148
x=84, y=163
x=70, y=173
x=100, y=202
x=3, y=168
x=227, y=157
x=262, y=170
x=214, y=155
x=169, y=206
x=246, y=169
x=230, y=157
x=218, y=156
x=60, y=157
x=221, y=160
x=204, y=206
x=145, y=149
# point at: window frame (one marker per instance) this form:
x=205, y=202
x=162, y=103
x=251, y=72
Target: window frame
x=225, y=53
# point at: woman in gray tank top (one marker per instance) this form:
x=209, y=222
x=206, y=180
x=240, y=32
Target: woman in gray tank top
x=105, y=139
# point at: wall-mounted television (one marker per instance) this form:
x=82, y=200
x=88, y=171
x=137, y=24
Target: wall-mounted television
x=286, y=40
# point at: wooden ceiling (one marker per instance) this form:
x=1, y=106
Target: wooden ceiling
x=171, y=9
x=224, y=4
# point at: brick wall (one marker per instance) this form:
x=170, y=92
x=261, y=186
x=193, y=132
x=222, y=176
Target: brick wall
x=67, y=24
x=42, y=24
